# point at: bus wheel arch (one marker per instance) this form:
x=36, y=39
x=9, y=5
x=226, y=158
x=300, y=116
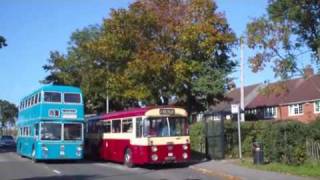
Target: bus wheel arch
x=128, y=157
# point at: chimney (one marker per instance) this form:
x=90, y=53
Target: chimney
x=308, y=72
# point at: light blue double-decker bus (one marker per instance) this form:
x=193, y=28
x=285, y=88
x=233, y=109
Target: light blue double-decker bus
x=51, y=124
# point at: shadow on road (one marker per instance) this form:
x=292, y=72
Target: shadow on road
x=64, y=177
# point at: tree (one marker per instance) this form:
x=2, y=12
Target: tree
x=78, y=67
x=8, y=112
x=290, y=29
x=2, y=42
x=157, y=52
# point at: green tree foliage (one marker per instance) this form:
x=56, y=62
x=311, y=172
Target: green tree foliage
x=8, y=112
x=2, y=42
x=290, y=28
x=154, y=52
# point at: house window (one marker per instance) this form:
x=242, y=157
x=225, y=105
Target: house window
x=296, y=109
x=270, y=112
x=251, y=111
x=317, y=106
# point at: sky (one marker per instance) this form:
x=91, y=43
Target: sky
x=33, y=28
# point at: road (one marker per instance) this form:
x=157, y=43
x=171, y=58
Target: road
x=14, y=167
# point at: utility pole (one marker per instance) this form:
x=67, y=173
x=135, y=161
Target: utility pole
x=107, y=103
x=1, y=133
x=241, y=81
x=107, y=84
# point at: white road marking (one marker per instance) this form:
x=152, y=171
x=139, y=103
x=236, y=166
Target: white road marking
x=56, y=171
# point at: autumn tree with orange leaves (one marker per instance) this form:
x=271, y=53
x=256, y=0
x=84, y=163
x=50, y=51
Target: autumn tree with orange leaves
x=155, y=52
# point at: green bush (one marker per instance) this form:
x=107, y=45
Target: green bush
x=314, y=130
x=197, y=137
x=283, y=141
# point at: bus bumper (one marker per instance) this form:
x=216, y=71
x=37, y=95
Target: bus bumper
x=47, y=151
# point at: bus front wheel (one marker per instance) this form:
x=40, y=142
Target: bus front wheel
x=128, y=158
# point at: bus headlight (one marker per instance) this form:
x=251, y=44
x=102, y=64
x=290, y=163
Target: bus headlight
x=154, y=157
x=154, y=148
x=44, y=147
x=185, y=155
x=185, y=147
x=62, y=150
x=79, y=148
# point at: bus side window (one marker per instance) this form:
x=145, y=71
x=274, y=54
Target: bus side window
x=107, y=127
x=139, y=127
x=36, y=130
x=116, y=128
x=127, y=126
x=36, y=99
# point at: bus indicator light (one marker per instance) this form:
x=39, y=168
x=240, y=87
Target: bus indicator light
x=185, y=147
x=154, y=148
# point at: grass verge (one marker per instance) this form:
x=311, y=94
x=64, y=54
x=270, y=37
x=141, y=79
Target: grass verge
x=308, y=169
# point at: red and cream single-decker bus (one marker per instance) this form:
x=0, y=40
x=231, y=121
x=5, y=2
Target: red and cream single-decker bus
x=140, y=136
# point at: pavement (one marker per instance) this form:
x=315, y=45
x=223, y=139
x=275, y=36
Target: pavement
x=229, y=170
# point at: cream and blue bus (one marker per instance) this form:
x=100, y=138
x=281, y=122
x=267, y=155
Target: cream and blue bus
x=51, y=124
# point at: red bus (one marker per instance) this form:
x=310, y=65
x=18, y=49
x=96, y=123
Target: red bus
x=140, y=136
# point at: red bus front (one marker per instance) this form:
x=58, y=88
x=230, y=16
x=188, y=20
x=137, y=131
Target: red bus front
x=162, y=140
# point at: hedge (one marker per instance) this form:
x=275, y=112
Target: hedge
x=283, y=141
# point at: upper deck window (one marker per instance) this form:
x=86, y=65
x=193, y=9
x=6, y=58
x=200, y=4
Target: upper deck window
x=52, y=97
x=39, y=97
x=36, y=99
x=72, y=98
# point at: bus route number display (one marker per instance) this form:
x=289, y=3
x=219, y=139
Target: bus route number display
x=167, y=112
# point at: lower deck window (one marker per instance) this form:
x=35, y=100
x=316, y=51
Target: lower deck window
x=127, y=126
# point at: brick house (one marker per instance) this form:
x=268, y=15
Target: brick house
x=223, y=109
x=297, y=99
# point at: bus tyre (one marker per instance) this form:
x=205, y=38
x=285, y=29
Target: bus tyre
x=128, y=158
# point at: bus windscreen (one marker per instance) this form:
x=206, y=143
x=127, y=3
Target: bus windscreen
x=50, y=131
x=72, y=131
x=165, y=126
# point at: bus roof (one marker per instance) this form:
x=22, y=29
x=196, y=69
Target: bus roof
x=59, y=88
x=127, y=113
x=121, y=114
